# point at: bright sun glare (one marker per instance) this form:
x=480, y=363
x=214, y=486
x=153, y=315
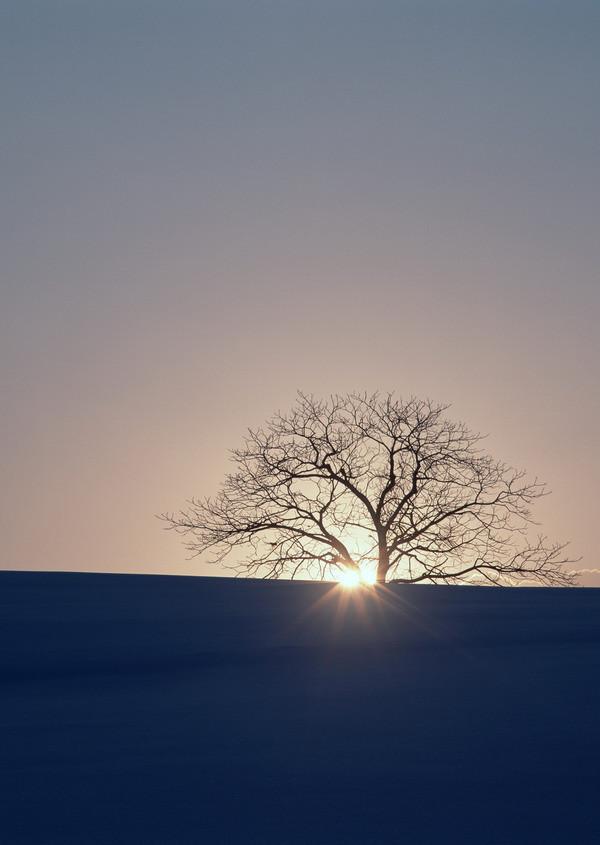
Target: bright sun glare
x=351, y=579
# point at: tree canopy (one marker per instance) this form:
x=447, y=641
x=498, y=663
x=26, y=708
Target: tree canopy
x=372, y=483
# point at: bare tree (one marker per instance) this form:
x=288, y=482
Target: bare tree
x=363, y=481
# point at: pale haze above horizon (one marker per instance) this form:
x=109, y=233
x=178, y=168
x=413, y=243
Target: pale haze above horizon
x=207, y=206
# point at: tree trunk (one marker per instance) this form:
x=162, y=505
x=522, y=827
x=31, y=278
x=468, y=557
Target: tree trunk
x=383, y=565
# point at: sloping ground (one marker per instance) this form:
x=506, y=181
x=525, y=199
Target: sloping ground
x=147, y=709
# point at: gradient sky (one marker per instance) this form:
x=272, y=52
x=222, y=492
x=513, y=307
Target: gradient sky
x=208, y=205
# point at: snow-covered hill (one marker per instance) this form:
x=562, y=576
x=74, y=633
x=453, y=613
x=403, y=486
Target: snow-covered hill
x=149, y=709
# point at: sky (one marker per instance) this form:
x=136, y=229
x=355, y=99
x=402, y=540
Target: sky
x=207, y=206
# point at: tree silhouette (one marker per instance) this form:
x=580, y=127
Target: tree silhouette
x=371, y=481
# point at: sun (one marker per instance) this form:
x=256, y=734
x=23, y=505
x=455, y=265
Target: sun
x=351, y=578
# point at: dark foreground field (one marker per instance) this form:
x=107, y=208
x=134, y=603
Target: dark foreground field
x=140, y=709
